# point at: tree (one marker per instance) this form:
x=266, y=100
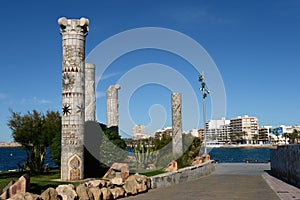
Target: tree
x=35, y=133
x=52, y=126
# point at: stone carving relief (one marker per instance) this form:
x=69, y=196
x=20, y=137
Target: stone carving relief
x=74, y=166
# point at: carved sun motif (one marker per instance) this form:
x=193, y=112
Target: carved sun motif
x=68, y=81
x=66, y=110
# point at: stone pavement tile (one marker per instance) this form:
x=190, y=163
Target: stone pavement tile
x=284, y=190
x=215, y=187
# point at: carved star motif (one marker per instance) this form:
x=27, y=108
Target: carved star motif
x=66, y=110
x=80, y=109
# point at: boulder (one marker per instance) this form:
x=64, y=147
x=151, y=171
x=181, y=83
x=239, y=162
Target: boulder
x=117, y=181
x=197, y=160
x=136, y=184
x=50, y=194
x=97, y=194
x=205, y=157
x=106, y=194
x=26, y=196
x=172, y=167
x=66, y=192
x=96, y=183
x=119, y=170
x=117, y=192
x=84, y=193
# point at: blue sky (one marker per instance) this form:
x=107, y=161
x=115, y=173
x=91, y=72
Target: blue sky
x=255, y=45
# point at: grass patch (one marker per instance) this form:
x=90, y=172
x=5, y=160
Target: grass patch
x=153, y=173
x=38, y=183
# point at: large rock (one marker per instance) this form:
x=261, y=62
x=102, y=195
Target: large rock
x=136, y=184
x=84, y=193
x=50, y=194
x=106, y=194
x=117, y=192
x=97, y=194
x=172, y=167
x=117, y=181
x=96, y=183
x=67, y=192
x=197, y=160
x=26, y=196
x=19, y=186
x=119, y=170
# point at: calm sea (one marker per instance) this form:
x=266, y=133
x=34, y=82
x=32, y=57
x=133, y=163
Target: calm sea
x=238, y=155
x=11, y=156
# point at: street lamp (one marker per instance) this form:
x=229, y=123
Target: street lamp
x=205, y=92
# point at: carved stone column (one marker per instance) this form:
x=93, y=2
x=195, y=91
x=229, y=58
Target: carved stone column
x=73, y=97
x=90, y=97
x=112, y=105
x=176, y=124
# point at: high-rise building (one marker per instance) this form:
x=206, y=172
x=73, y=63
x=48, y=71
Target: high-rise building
x=245, y=127
x=138, y=132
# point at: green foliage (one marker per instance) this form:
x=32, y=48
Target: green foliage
x=112, y=146
x=191, y=148
x=35, y=132
x=53, y=130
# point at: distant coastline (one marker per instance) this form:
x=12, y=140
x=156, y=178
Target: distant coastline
x=9, y=144
x=249, y=146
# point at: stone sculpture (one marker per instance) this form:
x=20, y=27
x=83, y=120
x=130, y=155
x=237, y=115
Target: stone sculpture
x=176, y=124
x=112, y=105
x=73, y=33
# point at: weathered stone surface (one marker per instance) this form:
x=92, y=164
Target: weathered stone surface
x=117, y=192
x=116, y=169
x=90, y=97
x=84, y=193
x=176, y=125
x=106, y=194
x=285, y=163
x=26, y=196
x=67, y=192
x=117, y=181
x=20, y=186
x=205, y=157
x=197, y=160
x=73, y=97
x=96, y=183
x=50, y=194
x=112, y=105
x=172, y=167
x=97, y=194
x=136, y=184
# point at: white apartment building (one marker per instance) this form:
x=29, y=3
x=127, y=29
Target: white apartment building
x=246, y=127
x=218, y=130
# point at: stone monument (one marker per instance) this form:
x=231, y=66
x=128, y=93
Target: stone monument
x=90, y=97
x=73, y=97
x=176, y=125
x=112, y=105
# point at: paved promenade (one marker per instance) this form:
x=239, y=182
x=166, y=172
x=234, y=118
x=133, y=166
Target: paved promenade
x=230, y=181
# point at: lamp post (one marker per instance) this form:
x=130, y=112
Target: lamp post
x=205, y=92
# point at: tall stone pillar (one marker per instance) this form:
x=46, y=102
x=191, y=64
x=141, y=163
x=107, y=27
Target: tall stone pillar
x=90, y=97
x=73, y=97
x=112, y=105
x=176, y=125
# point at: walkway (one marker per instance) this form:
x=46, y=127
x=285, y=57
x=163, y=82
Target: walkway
x=230, y=181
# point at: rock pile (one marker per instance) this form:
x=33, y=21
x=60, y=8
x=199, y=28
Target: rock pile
x=93, y=190
x=201, y=159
